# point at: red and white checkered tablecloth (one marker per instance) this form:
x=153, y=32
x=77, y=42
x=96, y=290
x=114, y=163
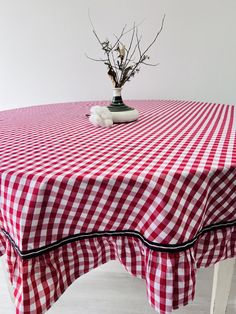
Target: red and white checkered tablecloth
x=158, y=194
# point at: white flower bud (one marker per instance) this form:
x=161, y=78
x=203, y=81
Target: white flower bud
x=122, y=51
x=101, y=116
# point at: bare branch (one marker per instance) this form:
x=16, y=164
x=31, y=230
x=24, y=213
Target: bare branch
x=155, y=38
x=122, y=66
x=135, y=27
x=114, y=66
x=151, y=64
x=135, y=47
x=101, y=60
x=121, y=35
x=143, y=54
x=131, y=43
x=138, y=43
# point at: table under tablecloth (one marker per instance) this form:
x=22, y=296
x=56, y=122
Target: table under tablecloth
x=158, y=194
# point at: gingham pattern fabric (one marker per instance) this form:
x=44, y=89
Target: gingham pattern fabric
x=157, y=194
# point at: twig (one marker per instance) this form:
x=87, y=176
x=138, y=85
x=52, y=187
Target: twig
x=122, y=67
x=101, y=60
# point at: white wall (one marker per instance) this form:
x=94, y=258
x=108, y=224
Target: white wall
x=43, y=45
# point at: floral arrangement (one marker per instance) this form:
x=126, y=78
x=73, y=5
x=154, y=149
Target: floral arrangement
x=124, y=60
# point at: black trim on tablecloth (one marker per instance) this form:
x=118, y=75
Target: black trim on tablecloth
x=168, y=248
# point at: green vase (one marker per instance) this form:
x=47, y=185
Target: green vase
x=121, y=113
x=117, y=104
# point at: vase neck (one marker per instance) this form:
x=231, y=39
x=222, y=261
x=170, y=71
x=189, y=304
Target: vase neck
x=117, y=92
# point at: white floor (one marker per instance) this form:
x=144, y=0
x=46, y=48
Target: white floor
x=111, y=290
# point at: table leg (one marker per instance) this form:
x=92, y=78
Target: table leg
x=223, y=273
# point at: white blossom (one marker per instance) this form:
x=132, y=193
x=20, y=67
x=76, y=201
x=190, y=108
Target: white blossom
x=100, y=116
